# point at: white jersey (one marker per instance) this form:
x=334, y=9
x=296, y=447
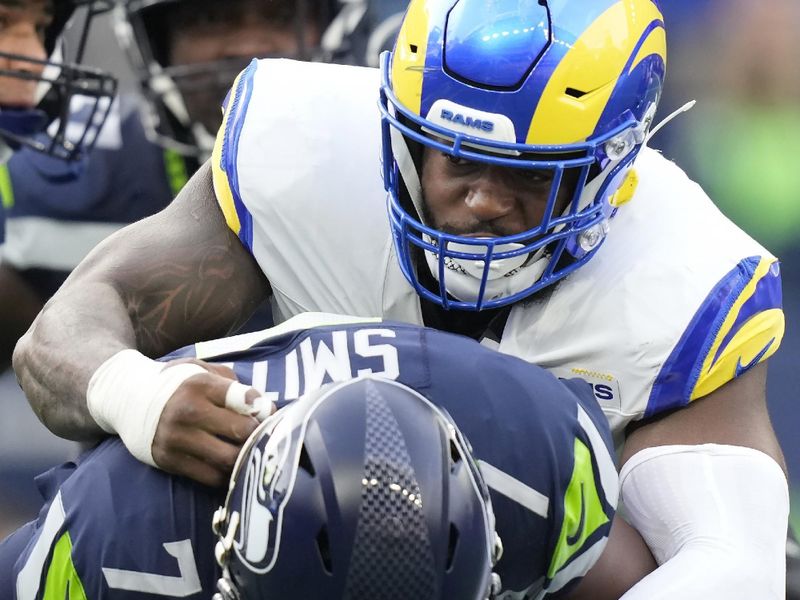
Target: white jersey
x=676, y=303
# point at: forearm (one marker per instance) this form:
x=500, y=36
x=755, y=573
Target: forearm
x=178, y=277
x=715, y=518
x=625, y=561
x=56, y=358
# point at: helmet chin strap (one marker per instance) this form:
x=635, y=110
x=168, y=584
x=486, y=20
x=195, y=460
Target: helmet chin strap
x=685, y=108
x=506, y=276
x=408, y=171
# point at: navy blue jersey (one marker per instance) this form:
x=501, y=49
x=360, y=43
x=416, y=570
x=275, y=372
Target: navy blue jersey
x=57, y=211
x=543, y=446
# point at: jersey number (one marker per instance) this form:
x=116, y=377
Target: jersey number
x=186, y=584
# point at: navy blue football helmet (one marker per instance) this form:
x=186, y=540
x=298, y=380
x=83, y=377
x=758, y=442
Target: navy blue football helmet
x=363, y=490
x=59, y=105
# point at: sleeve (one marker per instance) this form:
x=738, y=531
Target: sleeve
x=544, y=449
x=739, y=324
x=119, y=529
x=225, y=155
x=585, y=501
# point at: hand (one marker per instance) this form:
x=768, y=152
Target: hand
x=197, y=436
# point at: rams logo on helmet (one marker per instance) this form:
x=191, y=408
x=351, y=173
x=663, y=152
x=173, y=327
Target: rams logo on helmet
x=459, y=119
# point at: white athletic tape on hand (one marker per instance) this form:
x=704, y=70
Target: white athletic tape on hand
x=236, y=399
x=127, y=394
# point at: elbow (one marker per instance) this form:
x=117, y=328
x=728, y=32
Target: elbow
x=21, y=356
x=23, y=363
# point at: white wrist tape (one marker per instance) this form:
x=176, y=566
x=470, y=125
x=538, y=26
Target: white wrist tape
x=715, y=518
x=127, y=394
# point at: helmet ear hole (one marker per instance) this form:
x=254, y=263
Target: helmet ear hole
x=324, y=549
x=452, y=545
x=305, y=461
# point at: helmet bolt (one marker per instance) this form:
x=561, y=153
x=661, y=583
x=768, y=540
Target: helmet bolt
x=590, y=238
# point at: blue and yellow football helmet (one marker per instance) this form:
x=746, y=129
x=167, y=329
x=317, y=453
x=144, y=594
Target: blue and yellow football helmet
x=568, y=86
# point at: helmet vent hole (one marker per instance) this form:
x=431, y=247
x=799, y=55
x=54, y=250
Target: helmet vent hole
x=574, y=93
x=305, y=462
x=452, y=545
x=413, y=48
x=324, y=549
x=455, y=456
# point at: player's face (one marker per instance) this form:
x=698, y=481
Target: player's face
x=253, y=34
x=22, y=29
x=480, y=200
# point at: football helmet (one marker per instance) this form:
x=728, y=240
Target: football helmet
x=566, y=86
x=182, y=100
x=362, y=30
x=70, y=103
x=363, y=490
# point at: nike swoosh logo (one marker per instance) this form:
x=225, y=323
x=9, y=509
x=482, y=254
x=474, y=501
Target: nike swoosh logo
x=742, y=368
x=575, y=537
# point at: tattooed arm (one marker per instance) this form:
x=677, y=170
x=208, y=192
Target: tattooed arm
x=175, y=278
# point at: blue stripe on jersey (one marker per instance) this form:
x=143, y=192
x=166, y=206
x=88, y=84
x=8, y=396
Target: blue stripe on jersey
x=680, y=372
x=230, y=150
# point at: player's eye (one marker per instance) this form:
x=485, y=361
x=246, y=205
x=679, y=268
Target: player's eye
x=538, y=176
x=455, y=160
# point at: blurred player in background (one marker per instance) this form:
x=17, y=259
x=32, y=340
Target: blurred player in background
x=360, y=489
x=185, y=53
x=44, y=92
x=524, y=210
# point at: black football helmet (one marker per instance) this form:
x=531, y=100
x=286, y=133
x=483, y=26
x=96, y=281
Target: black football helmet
x=71, y=101
x=362, y=491
x=183, y=100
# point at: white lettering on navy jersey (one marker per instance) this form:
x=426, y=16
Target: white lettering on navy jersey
x=312, y=366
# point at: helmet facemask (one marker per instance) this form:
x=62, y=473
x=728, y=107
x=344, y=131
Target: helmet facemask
x=71, y=101
x=183, y=98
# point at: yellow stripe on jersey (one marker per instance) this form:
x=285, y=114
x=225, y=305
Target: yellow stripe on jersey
x=222, y=186
x=583, y=510
x=563, y=119
x=63, y=582
x=751, y=332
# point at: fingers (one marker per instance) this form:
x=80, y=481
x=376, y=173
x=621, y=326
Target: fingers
x=195, y=411
x=204, y=424
x=189, y=442
x=193, y=468
x=248, y=401
x=198, y=438
x=215, y=388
